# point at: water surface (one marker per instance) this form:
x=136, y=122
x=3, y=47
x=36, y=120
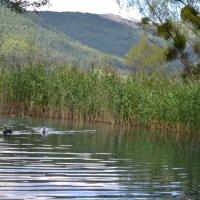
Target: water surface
x=94, y=162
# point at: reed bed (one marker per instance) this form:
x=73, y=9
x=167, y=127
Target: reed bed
x=154, y=101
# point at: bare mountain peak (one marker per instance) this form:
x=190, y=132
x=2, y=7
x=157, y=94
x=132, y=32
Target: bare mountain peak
x=117, y=18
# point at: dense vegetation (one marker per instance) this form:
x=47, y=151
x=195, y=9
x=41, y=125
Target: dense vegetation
x=100, y=96
x=39, y=77
x=178, y=22
x=22, y=40
x=93, y=30
x=20, y=6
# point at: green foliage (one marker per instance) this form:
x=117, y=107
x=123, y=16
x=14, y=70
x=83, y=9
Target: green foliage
x=164, y=29
x=149, y=100
x=171, y=53
x=20, y=6
x=17, y=48
x=180, y=41
x=190, y=14
x=171, y=32
x=146, y=56
x=178, y=22
x=196, y=71
x=177, y=41
x=196, y=47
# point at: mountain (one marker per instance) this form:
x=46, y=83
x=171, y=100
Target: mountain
x=23, y=37
x=73, y=38
x=131, y=23
x=96, y=31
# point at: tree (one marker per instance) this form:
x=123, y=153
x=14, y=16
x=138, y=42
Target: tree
x=20, y=6
x=146, y=56
x=178, y=22
x=17, y=49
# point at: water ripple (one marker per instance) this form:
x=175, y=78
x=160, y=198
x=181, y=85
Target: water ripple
x=45, y=171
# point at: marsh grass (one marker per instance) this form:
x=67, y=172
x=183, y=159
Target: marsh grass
x=154, y=101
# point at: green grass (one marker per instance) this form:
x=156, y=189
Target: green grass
x=154, y=101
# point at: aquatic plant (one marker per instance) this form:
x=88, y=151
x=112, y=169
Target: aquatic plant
x=155, y=100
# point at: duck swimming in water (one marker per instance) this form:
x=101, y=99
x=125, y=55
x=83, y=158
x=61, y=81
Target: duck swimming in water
x=43, y=131
x=7, y=131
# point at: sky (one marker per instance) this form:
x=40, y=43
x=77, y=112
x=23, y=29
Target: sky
x=91, y=6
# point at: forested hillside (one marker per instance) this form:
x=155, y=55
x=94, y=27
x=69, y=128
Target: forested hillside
x=22, y=40
x=93, y=30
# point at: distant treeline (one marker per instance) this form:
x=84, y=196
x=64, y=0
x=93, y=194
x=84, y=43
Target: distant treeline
x=102, y=95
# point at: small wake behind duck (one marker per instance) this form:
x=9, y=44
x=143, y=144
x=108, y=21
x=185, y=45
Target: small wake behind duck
x=43, y=131
x=48, y=131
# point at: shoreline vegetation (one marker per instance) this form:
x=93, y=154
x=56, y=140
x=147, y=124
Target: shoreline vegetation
x=154, y=100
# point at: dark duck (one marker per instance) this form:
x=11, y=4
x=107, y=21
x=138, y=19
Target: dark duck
x=43, y=131
x=7, y=131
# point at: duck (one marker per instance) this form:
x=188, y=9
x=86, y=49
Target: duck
x=7, y=131
x=43, y=131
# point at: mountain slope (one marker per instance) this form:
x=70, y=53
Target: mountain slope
x=121, y=20
x=93, y=30
x=51, y=44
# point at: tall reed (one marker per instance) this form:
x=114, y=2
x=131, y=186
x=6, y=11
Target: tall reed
x=100, y=96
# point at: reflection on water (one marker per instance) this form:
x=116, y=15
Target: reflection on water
x=95, y=163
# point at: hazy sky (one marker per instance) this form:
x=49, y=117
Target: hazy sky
x=91, y=6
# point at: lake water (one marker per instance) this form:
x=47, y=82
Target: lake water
x=95, y=162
